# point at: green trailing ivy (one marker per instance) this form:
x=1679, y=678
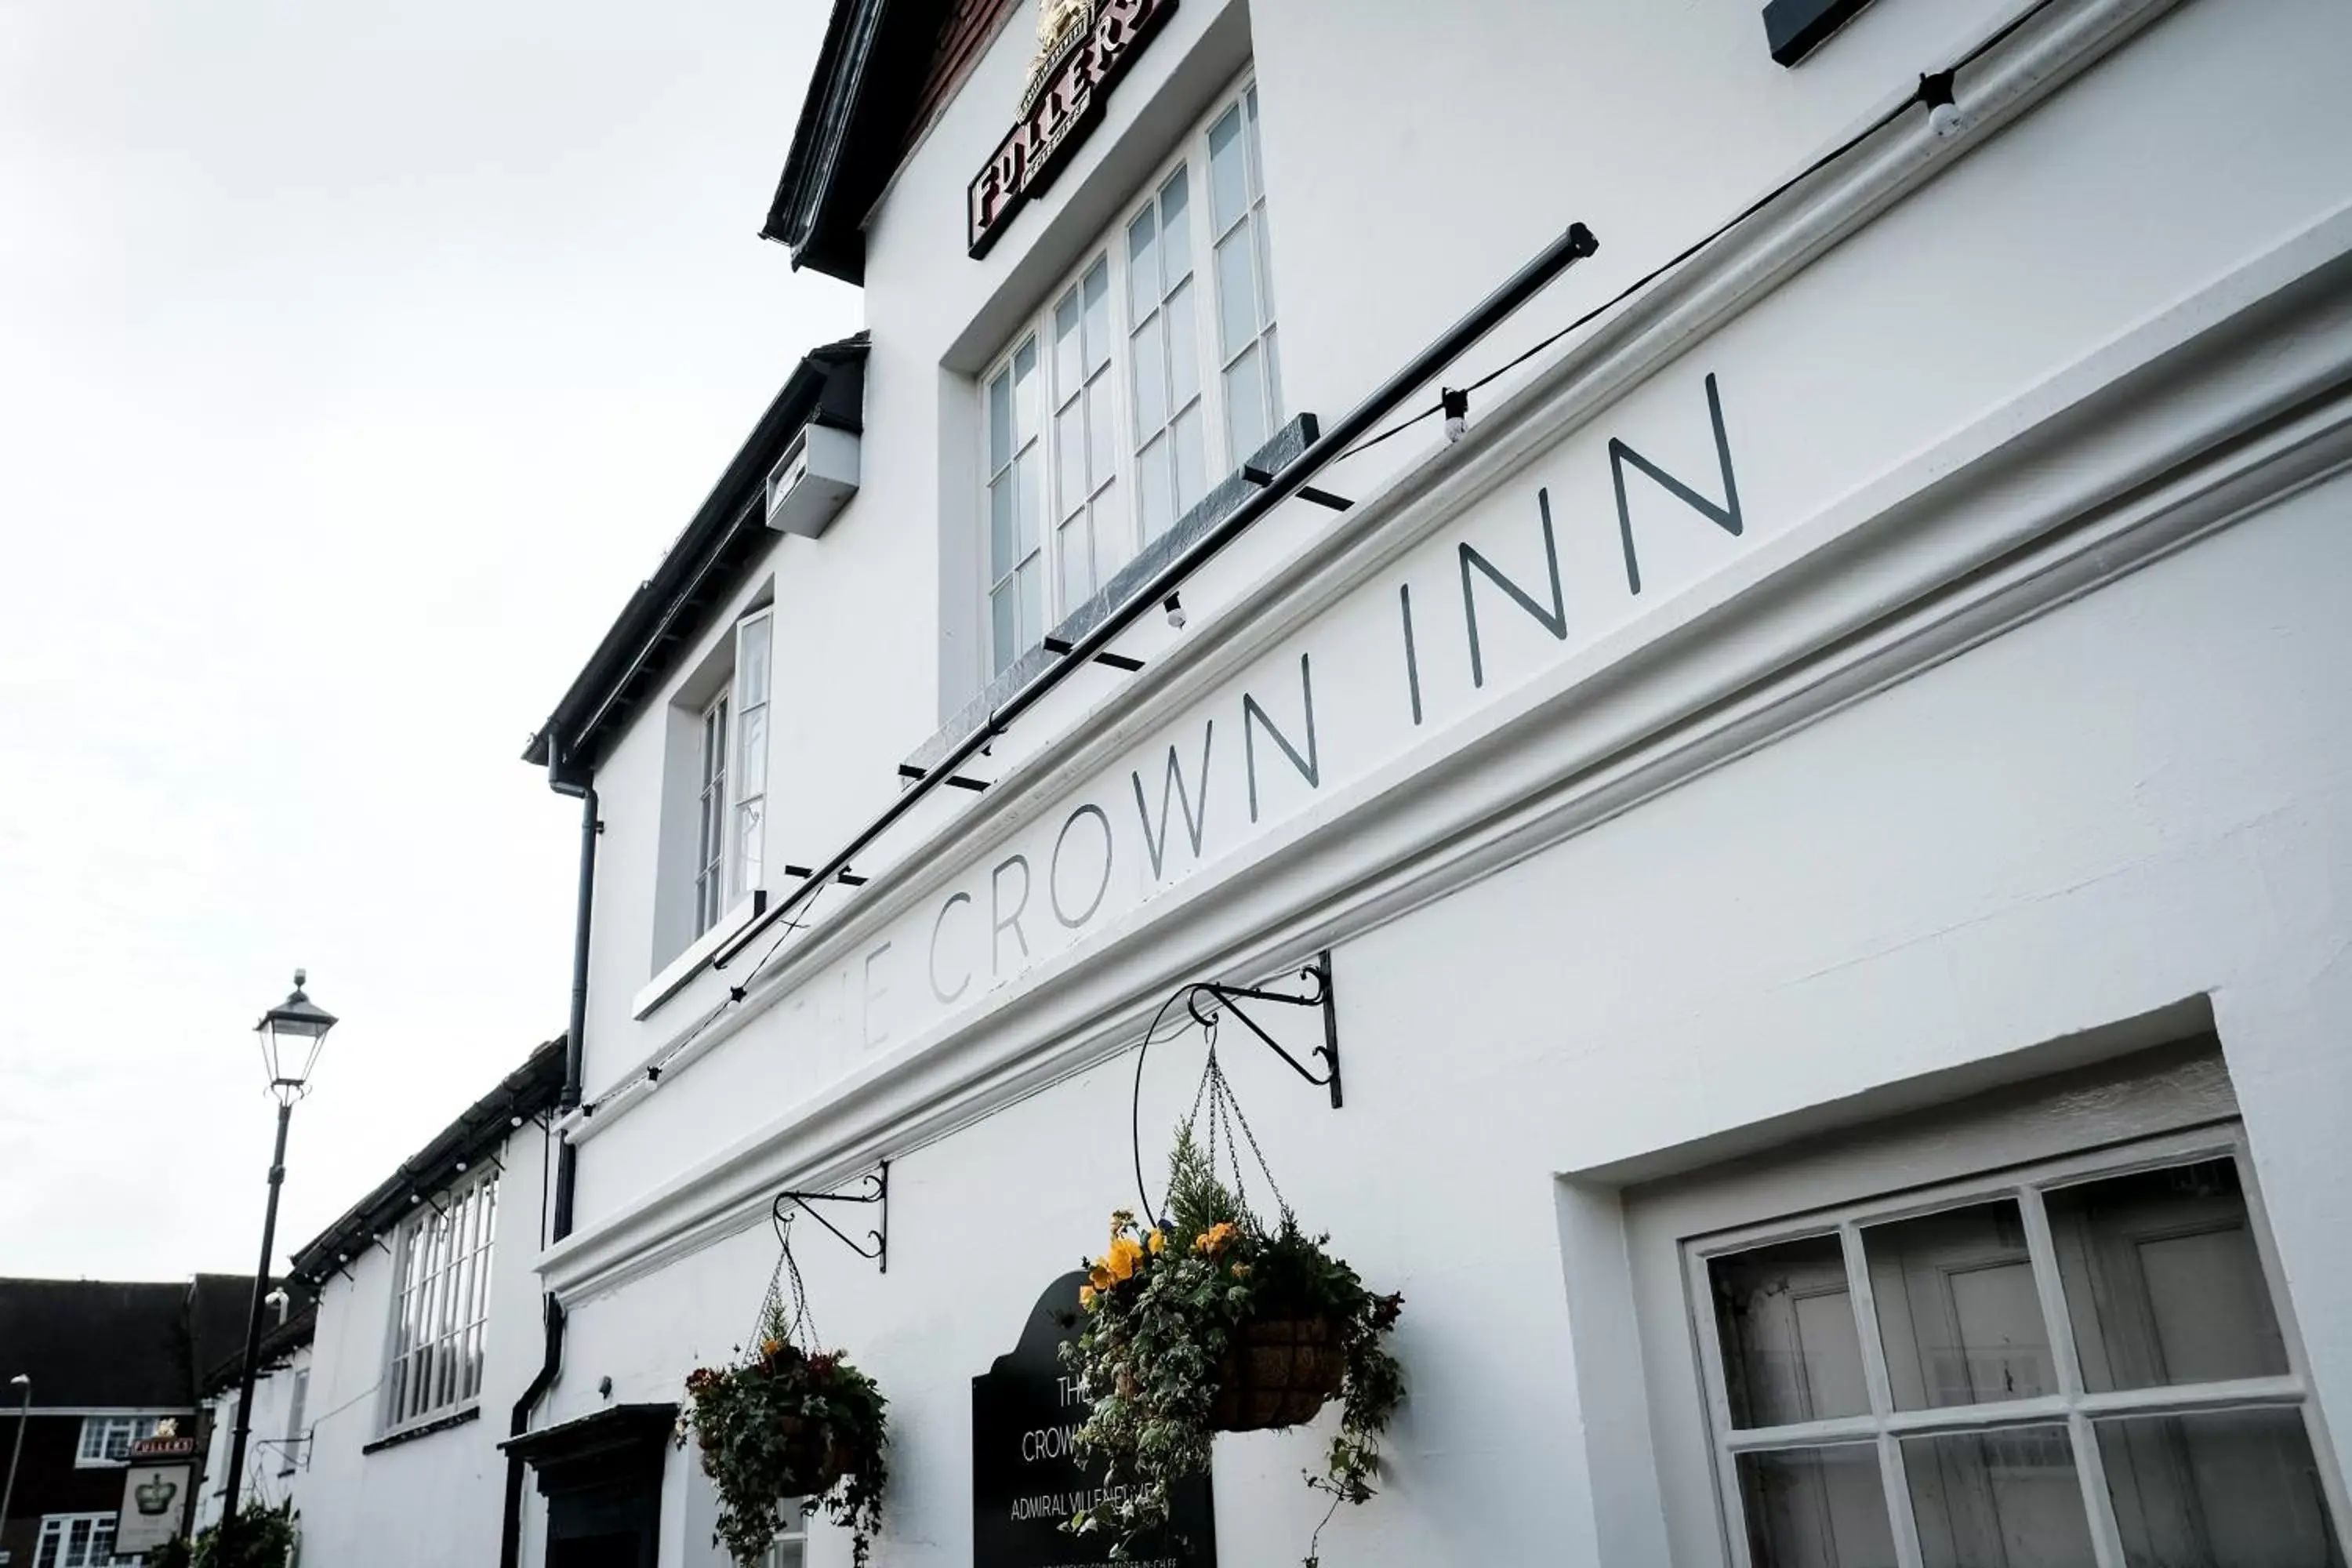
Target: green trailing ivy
x=261, y=1537
x=1166, y=1310
x=787, y=1428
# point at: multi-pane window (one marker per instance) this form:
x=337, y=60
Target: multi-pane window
x=107, y=1439
x=1170, y=460
x=1086, y=438
x=295, y=1456
x=710, y=816
x=75, y=1540
x=1109, y=381
x=2082, y=1364
x=790, y=1548
x=1016, y=489
x=443, y=1305
x=1246, y=345
x=747, y=846
x=731, y=731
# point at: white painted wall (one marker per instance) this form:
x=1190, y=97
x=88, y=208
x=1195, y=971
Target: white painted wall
x=436, y=1499
x=265, y=1484
x=2134, y=798
x=1749, y=945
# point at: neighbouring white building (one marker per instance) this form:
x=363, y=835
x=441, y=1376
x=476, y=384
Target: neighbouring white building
x=1825, y=784
x=411, y=1348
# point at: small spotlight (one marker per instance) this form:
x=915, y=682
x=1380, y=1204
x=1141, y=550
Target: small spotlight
x=1174, y=605
x=652, y=1079
x=1944, y=116
x=1458, y=413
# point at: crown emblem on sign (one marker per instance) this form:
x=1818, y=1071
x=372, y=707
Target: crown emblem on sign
x=154, y=1496
x=1061, y=24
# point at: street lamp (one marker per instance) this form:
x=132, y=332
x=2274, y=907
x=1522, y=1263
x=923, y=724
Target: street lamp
x=290, y=1035
x=23, y=1385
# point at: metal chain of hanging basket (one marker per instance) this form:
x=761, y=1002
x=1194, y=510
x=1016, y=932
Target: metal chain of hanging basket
x=1216, y=1095
x=801, y=1330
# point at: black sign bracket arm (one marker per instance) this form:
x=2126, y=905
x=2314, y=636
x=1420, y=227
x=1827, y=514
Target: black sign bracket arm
x=1316, y=978
x=877, y=1191
x=1205, y=1000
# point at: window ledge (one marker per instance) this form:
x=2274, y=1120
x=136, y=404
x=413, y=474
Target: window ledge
x=698, y=953
x=1207, y=512
x=423, y=1429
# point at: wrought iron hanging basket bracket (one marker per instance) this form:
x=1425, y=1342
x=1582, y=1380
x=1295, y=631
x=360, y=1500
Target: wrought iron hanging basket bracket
x=876, y=1249
x=1206, y=1000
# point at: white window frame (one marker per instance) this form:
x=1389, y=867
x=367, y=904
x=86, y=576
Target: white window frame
x=1064, y=503
x=731, y=755
x=296, y=1396
x=95, y=1449
x=789, y=1548
x=1886, y=1426
x=712, y=750
x=438, y=1337
x=57, y=1538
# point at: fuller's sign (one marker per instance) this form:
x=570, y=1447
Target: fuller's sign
x=1060, y=109
x=1024, y=1478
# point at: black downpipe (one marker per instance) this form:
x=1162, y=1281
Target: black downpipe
x=566, y=1160
x=575, y=1029
x=510, y=1531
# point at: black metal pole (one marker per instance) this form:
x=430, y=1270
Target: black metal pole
x=253, y=1328
x=1570, y=247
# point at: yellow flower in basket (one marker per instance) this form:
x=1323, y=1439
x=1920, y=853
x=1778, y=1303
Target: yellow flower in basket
x=1216, y=1238
x=1157, y=1241
x=1086, y=1294
x=1125, y=1253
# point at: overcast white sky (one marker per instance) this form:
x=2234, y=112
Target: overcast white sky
x=355, y=362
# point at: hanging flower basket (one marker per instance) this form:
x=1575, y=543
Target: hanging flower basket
x=1277, y=1370
x=1212, y=1322
x=788, y=1427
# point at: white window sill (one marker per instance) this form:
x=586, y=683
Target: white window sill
x=698, y=953
x=425, y=1427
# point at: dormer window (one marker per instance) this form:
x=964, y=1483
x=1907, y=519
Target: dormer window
x=1099, y=426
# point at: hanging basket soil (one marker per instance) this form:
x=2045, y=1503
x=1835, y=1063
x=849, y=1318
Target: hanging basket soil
x=1277, y=1372
x=808, y=1465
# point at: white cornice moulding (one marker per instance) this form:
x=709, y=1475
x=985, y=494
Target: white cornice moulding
x=1689, y=305
x=2224, y=403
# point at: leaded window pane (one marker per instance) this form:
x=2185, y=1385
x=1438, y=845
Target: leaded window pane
x=1957, y=1314
x=1785, y=1319
x=2162, y=1279
x=1816, y=1507
x=2008, y=1497
x=2236, y=1487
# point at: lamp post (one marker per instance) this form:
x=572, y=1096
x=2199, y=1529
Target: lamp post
x=290, y=1036
x=23, y=1385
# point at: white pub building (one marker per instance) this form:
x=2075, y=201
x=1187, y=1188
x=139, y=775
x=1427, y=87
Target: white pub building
x=1748, y=605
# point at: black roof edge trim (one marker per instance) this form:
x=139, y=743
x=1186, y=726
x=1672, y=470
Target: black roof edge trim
x=826, y=388
x=853, y=130
x=530, y=1090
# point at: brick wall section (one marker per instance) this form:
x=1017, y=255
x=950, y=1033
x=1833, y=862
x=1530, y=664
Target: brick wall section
x=970, y=27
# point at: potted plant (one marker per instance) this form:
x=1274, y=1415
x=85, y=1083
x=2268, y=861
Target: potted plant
x=788, y=1427
x=262, y=1538
x=1212, y=1322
